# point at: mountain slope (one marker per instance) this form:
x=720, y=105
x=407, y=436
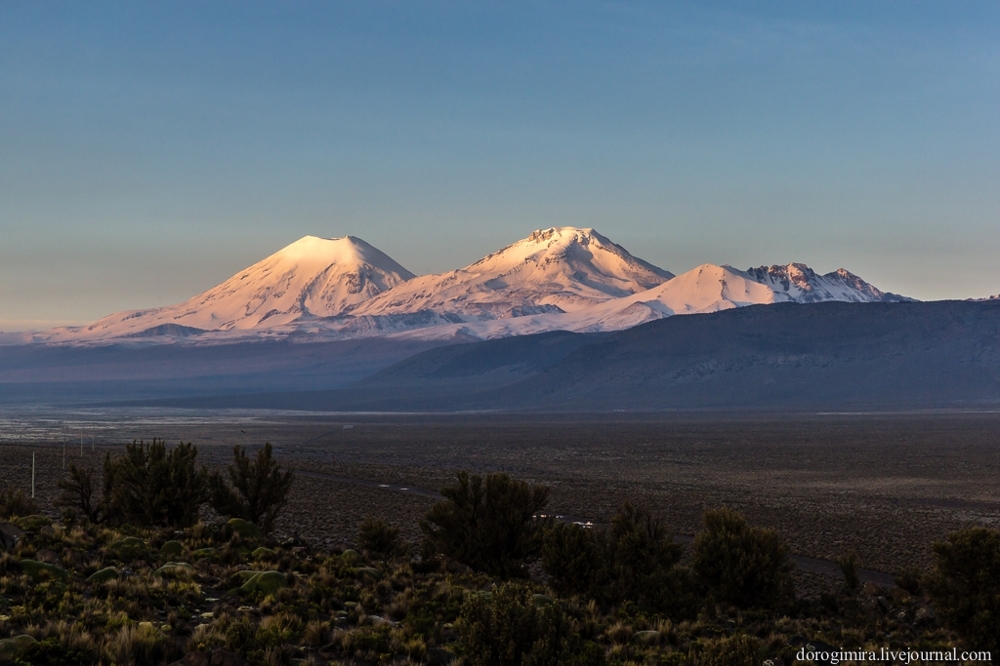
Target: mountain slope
x=785, y=357
x=312, y=277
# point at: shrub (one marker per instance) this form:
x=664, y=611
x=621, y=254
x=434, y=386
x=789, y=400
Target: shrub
x=965, y=585
x=78, y=491
x=738, y=650
x=151, y=485
x=378, y=537
x=15, y=504
x=849, y=567
x=257, y=489
x=635, y=560
x=743, y=565
x=909, y=579
x=641, y=548
x=487, y=524
x=573, y=557
x=509, y=628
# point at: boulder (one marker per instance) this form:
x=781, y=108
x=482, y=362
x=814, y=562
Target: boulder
x=10, y=534
x=204, y=552
x=103, y=575
x=351, y=557
x=13, y=647
x=39, y=570
x=33, y=523
x=244, y=528
x=172, y=548
x=175, y=569
x=264, y=582
x=263, y=553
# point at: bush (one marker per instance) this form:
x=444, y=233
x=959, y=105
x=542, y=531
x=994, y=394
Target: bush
x=257, y=490
x=509, y=628
x=487, y=524
x=909, y=579
x=78, y=491
x=635, y=560
x=151, y=485
x=743, y=565
x=378, y=537
x=739, y=650
x=849, y=567
x=574, y=558
x=965, y=585
x=16, y=504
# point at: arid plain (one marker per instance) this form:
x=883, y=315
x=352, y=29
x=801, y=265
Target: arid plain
x=884, y=486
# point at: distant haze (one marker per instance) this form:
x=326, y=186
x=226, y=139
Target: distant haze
x=149, y=152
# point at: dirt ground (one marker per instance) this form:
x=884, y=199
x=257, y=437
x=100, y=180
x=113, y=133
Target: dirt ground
x=884, y=486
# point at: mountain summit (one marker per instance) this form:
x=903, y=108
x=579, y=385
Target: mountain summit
x=312, y=277
x=560, y=269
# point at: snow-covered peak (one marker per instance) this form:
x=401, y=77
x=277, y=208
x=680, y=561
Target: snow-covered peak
x=803, y=285
x=560, y=269
x=311, y=277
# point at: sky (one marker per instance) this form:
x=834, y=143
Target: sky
x=148, y=151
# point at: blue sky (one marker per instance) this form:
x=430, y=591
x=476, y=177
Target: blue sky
x=150, y=150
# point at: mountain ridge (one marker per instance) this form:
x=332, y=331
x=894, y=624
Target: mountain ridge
x=560, y=278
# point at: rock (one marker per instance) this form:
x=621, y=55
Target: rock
x=39, y=570
x=265, y=582
x=175, y=569
x=172, y=548
x=102, y=576
x=369, y=573
x=351, y=557
x=263, y=553
x=47, y=556
x=648, y=637
x=10, y=534
x=33, y=523
x=871, y=589
x=924, y=612
x=204, y=552
x=128, y=546
x=244, y=528
x=541, y=600
x=48, y=532
x=13, y=647
x=899, y=595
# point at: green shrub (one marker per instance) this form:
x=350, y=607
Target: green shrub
x=487, y=524
x=965, y=585
x=78, y=493
x=256, y=491
x=743, y=565
x=849, y=567
x=509, y=628
x=574, y=558
x=151, y=485
x=739, y=650
x=909, y=579
x=378, y=537
x=15, y=503
x=635, y=560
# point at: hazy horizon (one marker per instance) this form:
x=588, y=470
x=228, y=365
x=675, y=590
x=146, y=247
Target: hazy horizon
x=149, y=152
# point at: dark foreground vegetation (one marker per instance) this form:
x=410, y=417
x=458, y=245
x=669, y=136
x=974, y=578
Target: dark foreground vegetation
x=157, y=560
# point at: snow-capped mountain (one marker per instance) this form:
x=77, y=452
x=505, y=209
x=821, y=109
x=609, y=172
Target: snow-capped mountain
x=561, y=278
x=312, y=277
x=562, y=269
x=707, y=288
